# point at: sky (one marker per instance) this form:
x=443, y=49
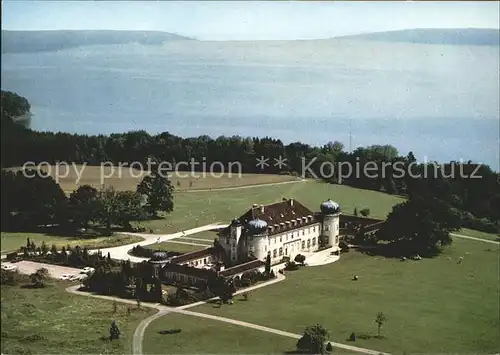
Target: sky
x=233, y=20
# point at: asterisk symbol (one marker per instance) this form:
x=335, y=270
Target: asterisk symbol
x=262, y=162
x=280, y=162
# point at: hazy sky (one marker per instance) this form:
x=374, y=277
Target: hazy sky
x=247, y=20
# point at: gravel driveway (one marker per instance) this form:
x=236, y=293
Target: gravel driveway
x=55, y=271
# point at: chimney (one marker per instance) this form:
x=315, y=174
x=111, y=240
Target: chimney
x=255, y=205
x=291, y=202
x=261, y=208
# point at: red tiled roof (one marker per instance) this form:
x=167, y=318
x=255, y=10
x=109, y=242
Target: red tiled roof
x=280, y=212
x=254, y=264
x=194, y=255
x=190, y=271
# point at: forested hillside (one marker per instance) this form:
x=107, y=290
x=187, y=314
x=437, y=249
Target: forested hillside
x=476, y=200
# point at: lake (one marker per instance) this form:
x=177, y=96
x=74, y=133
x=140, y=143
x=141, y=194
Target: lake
x=441, y=102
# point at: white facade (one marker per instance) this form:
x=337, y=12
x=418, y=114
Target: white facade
x=288, y=238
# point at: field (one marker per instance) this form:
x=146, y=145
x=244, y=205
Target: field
x=197, y=209
x=50, y=320
x=13, y=241
x=125, y=178
x=206, y=336
x=433, y=306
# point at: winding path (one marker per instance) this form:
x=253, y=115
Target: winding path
x=139, y=332
x=121, y=252
x=475, y=238
x=243, y=186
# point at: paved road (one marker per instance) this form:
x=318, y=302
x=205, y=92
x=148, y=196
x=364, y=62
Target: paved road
x=121, y=252
x=474, y=238
x=276, y=331
x=244, y=186
x=138, y=336
x=56, y=271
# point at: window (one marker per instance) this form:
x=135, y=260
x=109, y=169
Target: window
x=314, y=229
x=303, y=232
x=308, y=243
x=303, y=244
x=326, y=228
x=227, y=241
x=314, y=241
x=265, y=248
x=281, y=241
x=275, y=253
x=337, y=227
x=281, y=251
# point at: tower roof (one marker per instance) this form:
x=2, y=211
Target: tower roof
x=278, y=213
x=330, y=207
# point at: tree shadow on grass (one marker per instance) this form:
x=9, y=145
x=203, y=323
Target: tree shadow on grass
x=369, y=336
x=169, y=331
x=396, y=250
x=214, y=303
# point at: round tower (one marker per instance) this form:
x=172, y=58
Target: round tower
x=331, y=221
x=257, y=239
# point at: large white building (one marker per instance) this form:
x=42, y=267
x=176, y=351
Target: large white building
x=279, y=230
x=282, y=229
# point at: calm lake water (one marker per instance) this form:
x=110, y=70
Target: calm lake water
x=441, y=102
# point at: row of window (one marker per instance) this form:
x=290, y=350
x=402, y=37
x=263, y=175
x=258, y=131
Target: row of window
x=199, y=262
x=327, y=228
x=309, y=243
x=294, y=234
x=182, y=278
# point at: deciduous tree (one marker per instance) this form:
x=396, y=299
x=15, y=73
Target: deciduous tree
x=380, y=319
x=84, y=205
x=313, y=340
x=158, y=191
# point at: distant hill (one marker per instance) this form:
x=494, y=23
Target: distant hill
x=455, y=36
x=36, y=41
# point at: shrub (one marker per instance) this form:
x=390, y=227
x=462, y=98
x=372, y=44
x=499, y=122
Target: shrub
x=114, y=331
x=313, y=340
x=10, y=278
x=344, y=247
x=291, y=266
x=11, y=256
x=39, y=277
x=299, y=258
x=365, y=212
x=329, y=347
x=352, y=337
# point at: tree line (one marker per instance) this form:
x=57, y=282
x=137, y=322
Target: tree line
x=477, y=199
x=30, y=202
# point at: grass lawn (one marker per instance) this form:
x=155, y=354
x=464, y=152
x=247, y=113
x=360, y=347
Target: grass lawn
x=206, y=237
x=434, y=305
x=206, y=336
x=13, y=241
x=175, y=247
x=127, y=179
x=52, y=321
x=196, y=209
x=478, y=234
